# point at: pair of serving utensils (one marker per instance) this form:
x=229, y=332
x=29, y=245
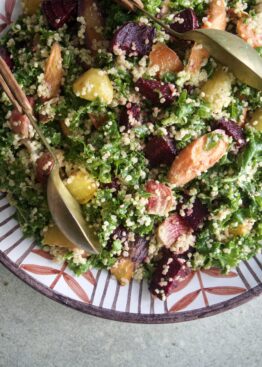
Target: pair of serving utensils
x=228, y=49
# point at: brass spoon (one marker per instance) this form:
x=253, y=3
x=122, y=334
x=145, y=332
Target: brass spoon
x=65, y=210
x=228, y=49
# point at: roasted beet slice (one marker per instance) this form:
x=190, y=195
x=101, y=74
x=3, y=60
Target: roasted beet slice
x=160, y=150
x=169, y=272
x=184, y=21
x=59, y=12
x=181, y=47
x=171, y=229
x=195, y=215
x=6, y=57
x=161, y=200
x=134, y=39
x=19, y=123
x=232, y=129
x=120, y=233
x=138, y=249
x=130, y=116
x=157, y=92
x=44, y=166
x=70, y=5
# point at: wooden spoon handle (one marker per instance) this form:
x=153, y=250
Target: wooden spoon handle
x=20, y=101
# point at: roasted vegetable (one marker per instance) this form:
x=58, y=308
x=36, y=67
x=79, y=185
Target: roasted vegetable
x=123, y=270
x=30, y=7
x=82, y=186
x=44, y=166
x=53, y=72
x=52, y=236
x=256, y=119
x=128, y=4
x=94, y=84
x=165, y=59
x=198, y=157
x=59, y=12
x=216, y=91
x=94, y=36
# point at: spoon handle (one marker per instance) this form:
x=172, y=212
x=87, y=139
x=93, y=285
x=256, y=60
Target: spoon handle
x=20, y=101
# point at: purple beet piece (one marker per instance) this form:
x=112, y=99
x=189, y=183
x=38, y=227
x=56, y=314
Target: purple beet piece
x=160, y=150
x=134, y=39
x=170, y=271
x=181, y=47
x=139, y=249
x=59, y=12
x=234, y=130
x=159, y=93
x=130, y=115
x=70, y=6
x=190, y=88
x=120, y=233
x=114, y=184
x=195, y=216
x=184, y=21
x=6, y=57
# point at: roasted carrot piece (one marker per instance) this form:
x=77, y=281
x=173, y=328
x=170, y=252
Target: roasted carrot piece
x=250, y=30
x=216, y=19
x=217, y=16
x=53, y=72
x=198, y=157
x=165, y=58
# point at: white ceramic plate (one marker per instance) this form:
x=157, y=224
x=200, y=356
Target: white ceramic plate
x=203, y=293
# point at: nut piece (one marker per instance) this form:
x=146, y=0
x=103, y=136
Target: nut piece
x=53, y=72
x=198, y=157
x=93, y=84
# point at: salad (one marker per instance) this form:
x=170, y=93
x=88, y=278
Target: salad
x=160, y=144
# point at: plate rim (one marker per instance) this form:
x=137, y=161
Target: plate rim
x=129, y=317
x=139, y=318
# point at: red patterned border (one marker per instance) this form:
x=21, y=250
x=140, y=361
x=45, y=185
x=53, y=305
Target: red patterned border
x=131, y=317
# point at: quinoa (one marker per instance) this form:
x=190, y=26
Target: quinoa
x=107, y=152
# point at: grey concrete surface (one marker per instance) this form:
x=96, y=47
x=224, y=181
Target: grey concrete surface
x=37, y=332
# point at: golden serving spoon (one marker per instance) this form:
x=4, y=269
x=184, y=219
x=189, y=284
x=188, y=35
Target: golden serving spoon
x=228, y=49
x=65, y=210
